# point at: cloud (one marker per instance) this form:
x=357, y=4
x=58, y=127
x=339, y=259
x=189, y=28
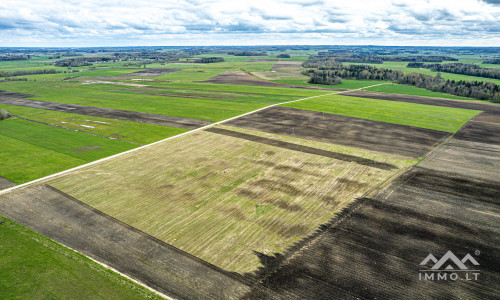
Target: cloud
x=127, y=22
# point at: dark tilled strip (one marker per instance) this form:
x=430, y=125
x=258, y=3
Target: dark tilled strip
x=117, y=114
x=301, y=148
x=14, y=95
x=5, y=183
x=349, y=131
x=480, y=132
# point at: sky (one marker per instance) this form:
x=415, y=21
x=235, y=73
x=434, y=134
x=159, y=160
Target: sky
x=96, y=23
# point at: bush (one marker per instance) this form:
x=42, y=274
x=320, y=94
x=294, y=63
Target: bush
x=4, y=114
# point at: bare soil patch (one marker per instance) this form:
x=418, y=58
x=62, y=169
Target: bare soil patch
x=242, y=78
x=13, y=95
x=85, y=148
x=117, y=114
x=366, y=134
x=480, y=132
x=287, y=66
x=5, y=183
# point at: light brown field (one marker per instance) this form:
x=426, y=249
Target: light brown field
x=220, y=198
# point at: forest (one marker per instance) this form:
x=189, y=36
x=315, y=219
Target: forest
x=459, y=68
x=472, y=89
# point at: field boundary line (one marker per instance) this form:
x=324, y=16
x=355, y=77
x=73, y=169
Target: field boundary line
x=8, y=190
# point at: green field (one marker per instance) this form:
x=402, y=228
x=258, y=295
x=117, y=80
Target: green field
x=31, y=150
x=413, y=90
x=34, y=267
x=411, y=114
x=141, y=133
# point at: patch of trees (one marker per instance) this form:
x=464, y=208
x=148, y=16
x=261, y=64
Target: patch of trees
x=83, y=61
x=283, y=55
x=28, y=72
x=460, y=68
x=208, y=60
x=362, y=72
x=324, y=77
x=494, y=61
x=471, y=89
x=13, y=57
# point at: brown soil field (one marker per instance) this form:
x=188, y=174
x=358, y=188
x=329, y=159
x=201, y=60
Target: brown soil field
x=287, y=66
x=117, y=114
x=373, y=249
x=242, y=78
x=5, y=183
x=329, y=128
x=223, y=199
x=480, y=132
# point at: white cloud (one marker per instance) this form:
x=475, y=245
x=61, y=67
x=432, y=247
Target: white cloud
x=114, y=22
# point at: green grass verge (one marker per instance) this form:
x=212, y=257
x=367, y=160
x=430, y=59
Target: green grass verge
x=411, y=114
x=35, y=267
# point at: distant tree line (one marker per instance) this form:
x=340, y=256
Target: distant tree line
x=83, y=61
x=28, y=72
x=13, y=57
x=472, y=89
x=460, y=68
x=378, y=59
x=494, y=61
x=362, y=72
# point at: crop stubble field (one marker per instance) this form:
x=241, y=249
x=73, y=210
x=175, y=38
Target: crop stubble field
x=228, y=197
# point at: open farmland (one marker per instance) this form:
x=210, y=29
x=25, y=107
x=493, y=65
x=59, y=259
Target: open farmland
x=264, y=189
x=329, y=196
